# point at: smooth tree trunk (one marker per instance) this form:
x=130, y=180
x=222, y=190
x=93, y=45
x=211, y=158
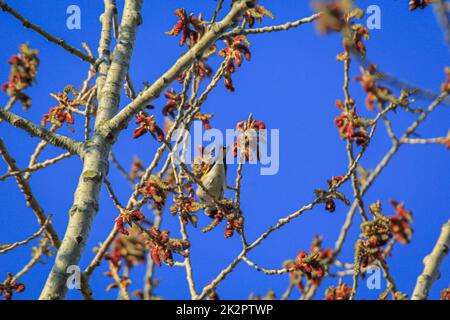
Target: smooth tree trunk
x=95, y=159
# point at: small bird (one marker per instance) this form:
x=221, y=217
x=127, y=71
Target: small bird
x=215, y=181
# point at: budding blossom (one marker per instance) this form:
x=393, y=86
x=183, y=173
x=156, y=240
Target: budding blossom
x=147, y=124
x=400, y=223
x=24, y=67
x=251, y=133
x=183, y=27
x=312, y=265
x=376, y=94
x=156, y=189
x=234, y=53
x=375, y=234
x=63, y=111
x=351, y=126
x=254, y=14
x=341, y=292
x=8, y=287
x=173, y=102
x=204, y=118
x=185, y=207
x=127, y=217
x=333, y=17
x=445, y=294
x=226, y=211
x=162, y=247
x=131, y=249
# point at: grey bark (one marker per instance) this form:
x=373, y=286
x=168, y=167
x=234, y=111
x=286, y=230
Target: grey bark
x=95, y=159
x=432, y=263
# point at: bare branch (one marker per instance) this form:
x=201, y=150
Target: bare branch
x=10, y=247
x=31, y=200
x=54, y=139
x=432, y=262
x=283, y=27
x=95, y=160
x=59, y=41
x=36, y=167
x=41, y=250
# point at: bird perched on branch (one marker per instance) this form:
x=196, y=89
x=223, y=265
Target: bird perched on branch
x=215, y=181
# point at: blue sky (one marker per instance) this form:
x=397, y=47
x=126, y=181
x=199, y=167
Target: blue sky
x=291, y=83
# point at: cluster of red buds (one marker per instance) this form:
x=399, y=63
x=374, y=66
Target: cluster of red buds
x=255, y=14
x=351, y=126
x=185, y=207
x=329, y=196
x=227, y=211
x=127, y=217
x=8, y=287
x=341, y=292
x=183, y=27
x=173, y=102
x=378, y=231
x=335, y=15
x=400, y=223
x=130, y=249
x=162, y=246
x=24, y=66
x=137, y=168
x=147, y=124
x=418, y=4
x=63, y=111
x=237, y=48
x=354, y=41
x=445, y=294
x=314, y=264
x=251, y=133
x=156, y=189
x=375, y=92
x=204, y=118
x=375, y=234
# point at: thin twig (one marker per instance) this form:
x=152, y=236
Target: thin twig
x=59, y=41
x=10, y=247
x=37, y=166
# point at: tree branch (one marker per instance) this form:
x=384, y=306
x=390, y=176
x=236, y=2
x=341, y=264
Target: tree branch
x=432, y=262
x=95, y=167
x=54, y=139
x=31, y=200
x=283, y=27
x=37, y=166
x=154, y=91
x=27, y=240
